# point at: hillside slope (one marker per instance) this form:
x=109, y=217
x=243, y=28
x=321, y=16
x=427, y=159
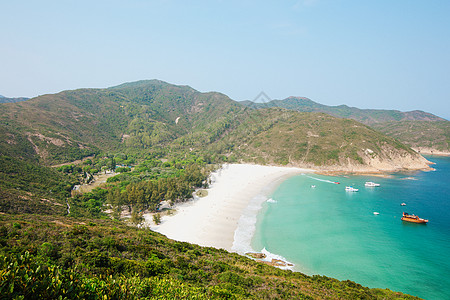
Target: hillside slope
x=44, y=257
x=324, y=142
x=73, y=124
x=417, y=129
x=424, y=136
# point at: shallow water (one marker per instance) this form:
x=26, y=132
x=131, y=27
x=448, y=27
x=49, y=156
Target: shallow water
x=326, y=230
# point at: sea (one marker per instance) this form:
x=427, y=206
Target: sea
x=312, y=222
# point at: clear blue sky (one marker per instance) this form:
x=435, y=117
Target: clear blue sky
x=368, y=54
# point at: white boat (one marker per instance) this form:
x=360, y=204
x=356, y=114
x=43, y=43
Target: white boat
x=371, y=184
x=376, y=213
x=350, y=189
x=403, y=204
x=313, y=186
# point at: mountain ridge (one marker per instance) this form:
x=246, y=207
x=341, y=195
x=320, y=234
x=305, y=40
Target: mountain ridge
x=366, y=116
x=4, y=99
x=157, y=115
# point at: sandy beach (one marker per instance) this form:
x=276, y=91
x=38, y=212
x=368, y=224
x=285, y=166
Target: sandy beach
x=213, y=220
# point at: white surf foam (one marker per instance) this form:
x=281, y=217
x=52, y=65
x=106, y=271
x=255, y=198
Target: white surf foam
x=247, y=225
x=271, y=201
x=270, y=256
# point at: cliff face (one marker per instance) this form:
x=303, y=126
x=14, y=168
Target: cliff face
x=395, y=160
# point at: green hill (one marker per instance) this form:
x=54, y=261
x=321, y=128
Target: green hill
x=149, y=114
x=319, y=141
x=426, y=136
x=416, y=128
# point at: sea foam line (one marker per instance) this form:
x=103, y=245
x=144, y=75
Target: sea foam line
x=247, y=225
x=270, y=256
x=323, y=180
x=246, y=230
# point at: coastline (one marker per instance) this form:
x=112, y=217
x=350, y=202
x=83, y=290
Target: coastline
x=430, y=151
x=234, y=198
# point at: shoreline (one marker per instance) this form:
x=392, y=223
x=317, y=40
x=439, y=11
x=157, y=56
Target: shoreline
x=430, y=152
x=236, y=191
x=226, y=217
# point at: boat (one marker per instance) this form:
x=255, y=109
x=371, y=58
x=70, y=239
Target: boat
x=336, y=182
x=403, y=204
x=376, y=213
x=371, y=184
x=350, y=189
x=313, y=186
x=413, y=218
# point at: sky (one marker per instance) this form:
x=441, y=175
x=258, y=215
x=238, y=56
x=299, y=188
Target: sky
x=362, y=53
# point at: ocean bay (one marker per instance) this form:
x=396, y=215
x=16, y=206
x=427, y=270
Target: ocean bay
x=328, y=231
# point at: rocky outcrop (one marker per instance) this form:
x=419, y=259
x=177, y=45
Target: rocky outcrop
x=392, y=159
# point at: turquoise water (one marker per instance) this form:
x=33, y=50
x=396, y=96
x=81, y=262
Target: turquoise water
x=327, y=231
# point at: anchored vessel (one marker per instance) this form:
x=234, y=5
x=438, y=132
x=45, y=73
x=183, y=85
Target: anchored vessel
x=412, y=218
x=371, y=184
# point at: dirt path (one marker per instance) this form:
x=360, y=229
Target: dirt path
x=73, y=162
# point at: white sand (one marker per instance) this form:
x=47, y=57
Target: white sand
x=213, y=220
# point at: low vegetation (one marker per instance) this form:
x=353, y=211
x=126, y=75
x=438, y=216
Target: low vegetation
x=44, y=257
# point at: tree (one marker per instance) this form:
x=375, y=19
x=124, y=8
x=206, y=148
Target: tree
x=112, y=164
x=136, y=216
x=157, y=218
x=116, y=199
